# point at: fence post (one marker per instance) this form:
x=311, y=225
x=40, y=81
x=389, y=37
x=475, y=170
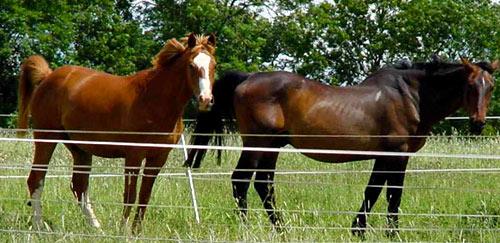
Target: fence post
x=190, y=179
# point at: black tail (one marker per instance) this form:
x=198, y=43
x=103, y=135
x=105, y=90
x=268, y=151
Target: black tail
x=212, y=121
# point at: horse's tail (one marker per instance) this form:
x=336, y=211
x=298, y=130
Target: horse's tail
x=34, y=69
x=211, y=122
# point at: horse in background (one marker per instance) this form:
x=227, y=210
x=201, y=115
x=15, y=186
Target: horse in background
x=74, y=98
x=392, y=110
x=215, y=120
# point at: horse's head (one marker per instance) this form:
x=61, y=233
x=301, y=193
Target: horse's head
x=201, y=68
x=193, y=59
x=478, y=90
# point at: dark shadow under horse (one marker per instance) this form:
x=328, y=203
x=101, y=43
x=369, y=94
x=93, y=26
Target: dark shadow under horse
x=392, y=110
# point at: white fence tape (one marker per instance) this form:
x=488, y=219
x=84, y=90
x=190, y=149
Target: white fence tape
x=264, y=149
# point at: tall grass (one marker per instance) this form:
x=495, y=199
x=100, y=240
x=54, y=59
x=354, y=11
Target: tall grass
x=444, y=206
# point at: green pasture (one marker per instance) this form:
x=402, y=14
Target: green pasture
x=454, y=205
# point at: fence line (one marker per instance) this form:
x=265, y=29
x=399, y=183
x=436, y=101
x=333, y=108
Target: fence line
x=261, y=210
x=86, y=235
x=446, y=118
x=262, y=149
x=466, y=117
x=276, y=234
x=29, y=130
x=191, y=184
x=204, y=174
x=293, y=182
x=210, y=173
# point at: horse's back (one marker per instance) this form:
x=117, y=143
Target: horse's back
x=73, y=95
x=257, y=100
x=286, y=103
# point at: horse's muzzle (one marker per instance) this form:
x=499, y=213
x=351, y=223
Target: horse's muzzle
x=476, y=127
x=205, y=102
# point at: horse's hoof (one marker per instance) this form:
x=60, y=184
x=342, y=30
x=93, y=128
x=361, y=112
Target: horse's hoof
x=358, y=229
x=40, y=226
x=137, y=227
x=242, y=215
x=392, y=226
x=392, y=232
x=278, y=226
x=360, y=232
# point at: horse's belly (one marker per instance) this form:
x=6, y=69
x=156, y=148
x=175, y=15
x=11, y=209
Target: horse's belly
x=120, y=147
x=337, y=158
x=105, y=151
x=337, y=150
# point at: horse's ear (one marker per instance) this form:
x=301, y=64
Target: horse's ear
x=435, y=58
x=211, y=39
x=191, y=40
x=468, y=66
x=495, y=65
x=464, y=60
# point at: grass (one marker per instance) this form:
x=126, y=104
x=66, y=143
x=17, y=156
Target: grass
x=437, y=206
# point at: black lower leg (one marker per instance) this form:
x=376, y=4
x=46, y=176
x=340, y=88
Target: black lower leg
x=372, y=191
x=241, y=181
x=394, y=192
x=265, y=188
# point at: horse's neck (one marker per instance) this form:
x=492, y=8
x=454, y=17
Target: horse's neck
x=164, y=92
x=441, y=96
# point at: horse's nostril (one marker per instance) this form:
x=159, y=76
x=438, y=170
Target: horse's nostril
x=205, y=99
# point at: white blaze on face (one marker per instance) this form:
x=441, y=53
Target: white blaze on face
x=202, y=61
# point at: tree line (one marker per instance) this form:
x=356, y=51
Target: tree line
x=337, y=42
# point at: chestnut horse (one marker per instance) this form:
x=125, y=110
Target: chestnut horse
x=383, y=113
x=75, y=99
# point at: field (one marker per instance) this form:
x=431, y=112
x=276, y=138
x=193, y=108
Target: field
x=444, y=200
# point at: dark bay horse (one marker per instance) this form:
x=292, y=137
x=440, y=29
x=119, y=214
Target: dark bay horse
x=73, y=98
x=383, y=113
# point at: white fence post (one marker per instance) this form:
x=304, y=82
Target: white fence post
x=190, y=179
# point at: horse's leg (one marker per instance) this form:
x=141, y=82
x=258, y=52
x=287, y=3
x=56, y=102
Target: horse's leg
x=80, y=182
x=241, y=179
x=43, y=153
x=264, y=184
x=372, y=191
x=132, y=168
x=395, y=181
x=151, y=169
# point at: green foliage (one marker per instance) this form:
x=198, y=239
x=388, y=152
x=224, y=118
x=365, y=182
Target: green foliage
x=97, y=34
x=336, y=42
x=241, y=33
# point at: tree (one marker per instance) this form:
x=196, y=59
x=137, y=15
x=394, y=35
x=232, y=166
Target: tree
x=344, y=41
x=99, y=34
x=335, y=42
x=241, y=32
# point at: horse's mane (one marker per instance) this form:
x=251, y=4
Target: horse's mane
x=434, y=67
x=406, y=68
x=436, y=64
x=173, y=47
x=168, y=52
